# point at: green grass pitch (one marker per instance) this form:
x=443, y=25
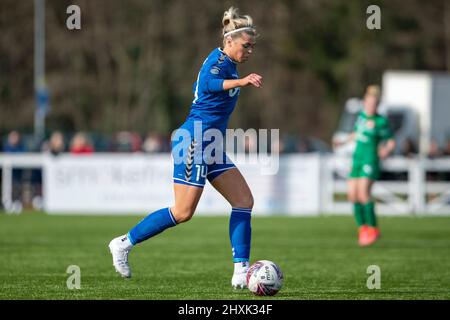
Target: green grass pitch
x=319, y=257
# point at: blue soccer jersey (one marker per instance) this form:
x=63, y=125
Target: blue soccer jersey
x=212, y=105
x=211, y=109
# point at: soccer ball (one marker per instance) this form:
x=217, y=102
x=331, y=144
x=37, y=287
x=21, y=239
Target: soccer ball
x=264, y=278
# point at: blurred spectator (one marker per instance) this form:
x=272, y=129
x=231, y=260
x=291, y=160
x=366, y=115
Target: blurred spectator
x=136, y=142
x=250, y=144
x=290, y=143
x=304, y=145
x=446, y=151
x=122, y=142
x=153, y=143
x=277, y=146
x=80, y=144
x=14, y=143
x=434, y=151
x=408, y=148
x=125, y=141
x=55, y=145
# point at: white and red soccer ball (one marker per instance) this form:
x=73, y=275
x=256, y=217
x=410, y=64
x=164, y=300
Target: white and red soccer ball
x=264, y=278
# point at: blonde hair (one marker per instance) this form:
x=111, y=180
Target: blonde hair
x=233, y=21
x=373, y=90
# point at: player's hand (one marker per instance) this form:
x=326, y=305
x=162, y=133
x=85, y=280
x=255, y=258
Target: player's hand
x=383, y=153
x=337, y=144
x=252, y=79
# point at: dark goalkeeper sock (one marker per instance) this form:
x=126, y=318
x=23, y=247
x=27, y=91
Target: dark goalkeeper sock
x=369, y=214
x=358, y=212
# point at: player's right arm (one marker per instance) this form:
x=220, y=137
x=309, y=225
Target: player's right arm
x=351, y=137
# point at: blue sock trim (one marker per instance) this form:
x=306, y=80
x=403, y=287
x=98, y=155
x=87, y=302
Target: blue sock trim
x=153, y=224
x=172, y=217
x=133, y=242
x=236, y=260
x=241, y=209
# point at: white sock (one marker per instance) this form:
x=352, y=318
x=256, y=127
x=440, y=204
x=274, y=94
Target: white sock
x=125, y=243
x=241, y=267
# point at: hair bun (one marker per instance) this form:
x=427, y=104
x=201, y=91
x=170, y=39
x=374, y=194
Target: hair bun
x=229, y=16
x=225, y=21
x=232, y=20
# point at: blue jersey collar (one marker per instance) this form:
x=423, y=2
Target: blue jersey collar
x=231, y=60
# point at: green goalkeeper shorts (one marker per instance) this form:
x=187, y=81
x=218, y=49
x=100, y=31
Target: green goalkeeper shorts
x=365, y=170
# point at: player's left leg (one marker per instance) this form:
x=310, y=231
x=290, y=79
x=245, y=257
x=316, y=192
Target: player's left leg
x=188, y=187
x=364, y=195
x=358, y=209
x=151, y=225
x=233, y=187
x=186, y=200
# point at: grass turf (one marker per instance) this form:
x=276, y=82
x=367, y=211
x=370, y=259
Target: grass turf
x=319, y=257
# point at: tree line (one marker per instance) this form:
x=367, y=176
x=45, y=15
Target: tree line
x=133, y=64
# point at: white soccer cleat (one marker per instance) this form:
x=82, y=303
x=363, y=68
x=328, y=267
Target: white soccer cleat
x=239, y=280
x=120, y=256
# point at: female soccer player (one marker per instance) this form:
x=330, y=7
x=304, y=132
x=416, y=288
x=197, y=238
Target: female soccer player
x=215, y=96
x=371, y=129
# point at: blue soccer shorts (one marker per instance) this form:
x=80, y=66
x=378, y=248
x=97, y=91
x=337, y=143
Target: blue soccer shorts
x=193, y=163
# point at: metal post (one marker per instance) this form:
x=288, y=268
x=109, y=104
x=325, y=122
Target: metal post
x=417, y=190
x=39, y=66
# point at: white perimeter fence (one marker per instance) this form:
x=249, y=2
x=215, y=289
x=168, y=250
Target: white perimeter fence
x=306, y=184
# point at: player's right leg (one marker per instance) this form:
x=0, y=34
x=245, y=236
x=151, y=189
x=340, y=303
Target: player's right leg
x=352, y=194
x=364, y=195
x=232, y=186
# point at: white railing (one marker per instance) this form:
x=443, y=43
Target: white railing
x=8, y=162
x=299, y=175
x=409, y=197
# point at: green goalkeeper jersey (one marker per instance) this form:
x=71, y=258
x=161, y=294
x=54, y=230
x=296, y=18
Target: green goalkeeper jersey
x=370, y=131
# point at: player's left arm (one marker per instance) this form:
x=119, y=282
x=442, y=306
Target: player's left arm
x=215, y=80
x=252, y=79
x=389, y=143
x=386, y=149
